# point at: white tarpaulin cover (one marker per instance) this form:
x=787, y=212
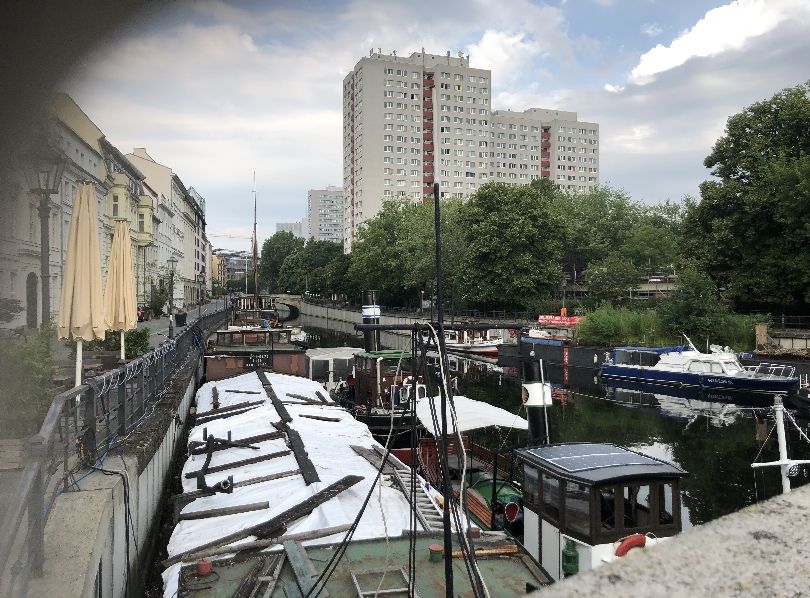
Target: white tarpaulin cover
x=328, y=444
x=470, y=415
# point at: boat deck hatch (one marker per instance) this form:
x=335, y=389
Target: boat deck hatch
x=386, y=582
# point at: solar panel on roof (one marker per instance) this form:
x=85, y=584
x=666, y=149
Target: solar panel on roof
x=583, y=457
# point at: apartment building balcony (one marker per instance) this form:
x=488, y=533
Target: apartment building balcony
x=545, y=155
x=428, y=147
x=428, y=168
x=428, y=191
x=427, y=136
x=427, y=125
x=545, y=145
x=428, y=105
x=545, y=173
x=427, y=179
x=545, y=163
x=428, y=92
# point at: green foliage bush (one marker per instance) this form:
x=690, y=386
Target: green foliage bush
x=136, y=342
x=26, y=382
x=608, y=325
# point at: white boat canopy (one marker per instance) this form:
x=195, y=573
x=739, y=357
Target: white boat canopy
x=470, y=415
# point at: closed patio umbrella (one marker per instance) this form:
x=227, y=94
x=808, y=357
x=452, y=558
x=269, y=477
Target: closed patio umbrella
x=120, y=312
x=81, y=310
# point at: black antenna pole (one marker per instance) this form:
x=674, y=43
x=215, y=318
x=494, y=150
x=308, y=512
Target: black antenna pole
x=446, y=487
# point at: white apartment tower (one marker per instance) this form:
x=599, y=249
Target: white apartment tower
x=411, y=121
x=325, y=214
x=551, y=144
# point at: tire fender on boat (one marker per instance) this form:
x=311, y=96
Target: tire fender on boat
x=630, y=542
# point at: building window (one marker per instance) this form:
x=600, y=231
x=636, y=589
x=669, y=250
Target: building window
x=141, y=223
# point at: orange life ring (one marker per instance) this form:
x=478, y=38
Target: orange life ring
x=630, y=542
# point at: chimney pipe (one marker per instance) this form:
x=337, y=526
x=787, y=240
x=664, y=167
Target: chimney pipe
x=536, y=397
x=371, y=315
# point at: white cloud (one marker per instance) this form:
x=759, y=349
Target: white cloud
x=507, y=55
x=613, y=88
x=725, y=28
x=651, y=29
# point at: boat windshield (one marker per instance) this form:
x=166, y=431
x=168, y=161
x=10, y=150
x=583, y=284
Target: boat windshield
x=732, y=367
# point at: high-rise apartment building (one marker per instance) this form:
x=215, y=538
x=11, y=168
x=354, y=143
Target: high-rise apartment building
x=551, y=144
x=411, y=121
x=296, y=228
x=325, y=214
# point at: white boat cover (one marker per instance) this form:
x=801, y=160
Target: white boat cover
x=328, y=444
x=470, y=415
x=333, y=352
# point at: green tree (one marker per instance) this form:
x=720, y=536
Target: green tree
x=306, y=269
x=596, y=224
x=513, y=245
x=376, y=261
x=274, y=251
x=611, y=279
x=750, y=230
x=694, y=308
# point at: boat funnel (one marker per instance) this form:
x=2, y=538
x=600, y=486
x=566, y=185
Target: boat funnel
x=537, y=397
x=371, y=315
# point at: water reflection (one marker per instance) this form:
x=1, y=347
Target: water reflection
x=711, y=437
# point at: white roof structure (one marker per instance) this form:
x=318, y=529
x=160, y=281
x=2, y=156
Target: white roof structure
x=469, y=415
x=328, y=444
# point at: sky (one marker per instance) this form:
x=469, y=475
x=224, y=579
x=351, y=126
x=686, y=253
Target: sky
x=217, y=90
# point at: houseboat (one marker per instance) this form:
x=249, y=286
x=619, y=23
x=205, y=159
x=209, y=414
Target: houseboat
x=476, y=342
x=291, y=496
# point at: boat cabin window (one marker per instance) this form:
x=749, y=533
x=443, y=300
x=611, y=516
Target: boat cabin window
x=531, y=486
x=421, y=391
x=578, y=508
x=697, y=366
x=665, y=506
x=607, y=509
x=731, y=367
x=551, y=497
x=636, y=506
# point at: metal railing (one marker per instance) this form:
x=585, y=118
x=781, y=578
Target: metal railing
x=81, y=425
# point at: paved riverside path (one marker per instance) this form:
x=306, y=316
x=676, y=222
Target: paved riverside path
x=160, y=327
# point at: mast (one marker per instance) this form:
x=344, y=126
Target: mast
x=255, y=251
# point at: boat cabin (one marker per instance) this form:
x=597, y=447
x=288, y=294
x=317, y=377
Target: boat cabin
x=588, y=498
x=237, y=350
x=382, y=379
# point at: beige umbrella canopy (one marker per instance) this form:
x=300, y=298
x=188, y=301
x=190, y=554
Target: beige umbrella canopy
x=81, y=310
x=120, y=311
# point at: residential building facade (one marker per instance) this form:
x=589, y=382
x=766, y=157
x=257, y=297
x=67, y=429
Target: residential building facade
x=410, y=122
x=119, y=194
x=325, y=214
x=542, y=143
x=296, y=228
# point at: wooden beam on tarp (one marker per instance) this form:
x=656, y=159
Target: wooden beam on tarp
x=271, y=394
x=232, y=464
x=275, y=524
x=306, y=466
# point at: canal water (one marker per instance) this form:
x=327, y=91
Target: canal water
x=716, y=442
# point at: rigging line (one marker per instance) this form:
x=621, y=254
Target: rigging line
x=465, y=542
x=449, y=499
x=796, y=425
x=333, y=562
x=764, y=442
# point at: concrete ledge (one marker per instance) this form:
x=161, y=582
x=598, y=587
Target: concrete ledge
x=759, y=551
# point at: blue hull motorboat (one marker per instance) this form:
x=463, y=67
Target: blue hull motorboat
x=686, y=367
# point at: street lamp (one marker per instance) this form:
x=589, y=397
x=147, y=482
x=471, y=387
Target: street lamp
x=200, y=281
x=172, y=264
x=45, y=167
